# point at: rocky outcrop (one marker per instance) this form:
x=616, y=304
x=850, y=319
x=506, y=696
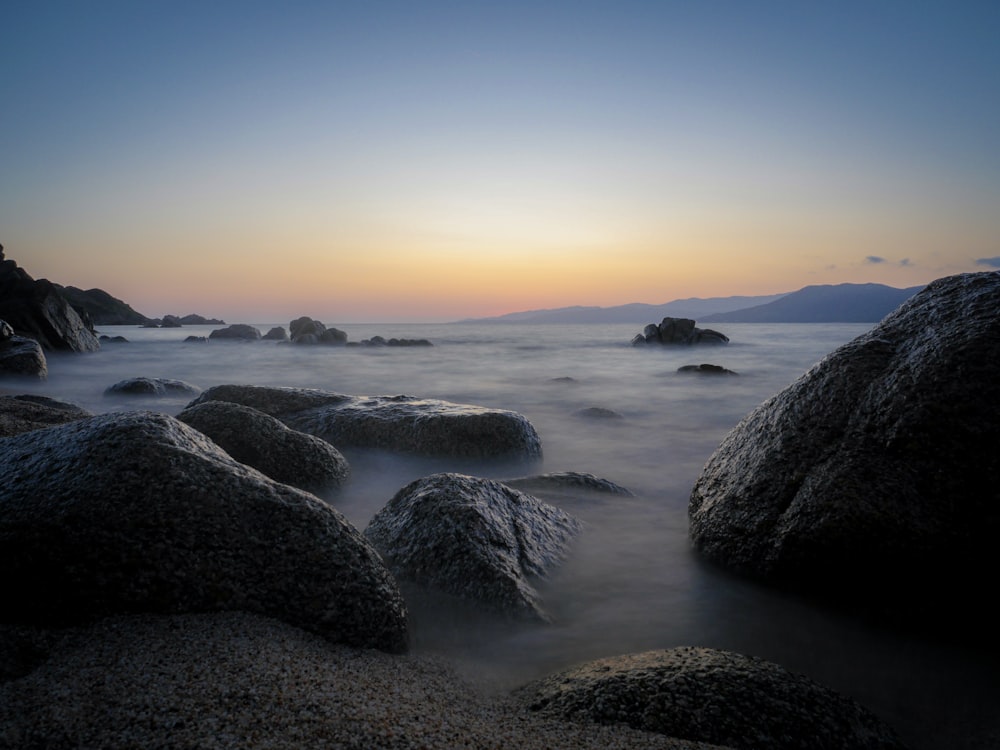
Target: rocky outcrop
x=305, y=330
x=396, y=423
x=101, y=307
x=875, y=478
x=276, y=334
x=38, y=310
x=237, y=331
x=261, y=441
x=706, y=695
x=151, y=387
x=28, y=412
x=21, y=356
x=705, y=369
x=171, y=321
x=137, y=512
x=474, y=538
x=681, y=331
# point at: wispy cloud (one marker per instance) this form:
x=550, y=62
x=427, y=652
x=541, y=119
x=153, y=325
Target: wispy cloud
x=991, y=262
x=906, y=263
x=874, y=259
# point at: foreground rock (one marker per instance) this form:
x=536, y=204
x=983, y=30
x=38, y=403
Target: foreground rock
x=395, y=423
x=235, y=681
x=711, y=696
x=137, y=512
x=261, y=441
x=236, y=332
x=28, y=412
x=151, y=387
x=38, y=310
x=474, y=538
x=875, y=478
x=21, y=356
x=679, y=331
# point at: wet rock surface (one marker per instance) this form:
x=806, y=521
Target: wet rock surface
x=137, y=512
x=711, y=696
x=263, y=442
x=395, y=423
x=474, y=538
x=875, y=478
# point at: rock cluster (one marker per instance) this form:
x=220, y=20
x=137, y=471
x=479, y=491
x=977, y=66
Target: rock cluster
x=875, y=478
x=474, y=538
x=678, y=331
x=305, y=330
x=261, y=441
x=395, y=423
x=38, y=310
x=711, y=696
x=138, y=512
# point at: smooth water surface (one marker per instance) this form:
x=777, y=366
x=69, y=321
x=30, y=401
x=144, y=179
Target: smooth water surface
x=632, y=583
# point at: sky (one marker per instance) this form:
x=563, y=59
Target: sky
x=431, y=161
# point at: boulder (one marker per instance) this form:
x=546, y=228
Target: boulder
x=137, y=512
x=151, y=387
x=473, y=538
x=261, y=441
x=875, y=478
x=237, y=331
x=305, y=330
x=276, y=334
x=38, y=310
x=705, y=369
x=396, y=423
x=678, y=331
x=29, y=412
x=706, y=695
x=22, y=357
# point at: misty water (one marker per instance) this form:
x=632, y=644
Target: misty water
x=632, y=582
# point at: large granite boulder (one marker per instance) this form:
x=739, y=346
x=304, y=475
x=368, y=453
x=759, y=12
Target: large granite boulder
x=261, y=441
x=678, y=331
x=143, y=386
x=38, y=310
x=875, y=478
x=474, y=538
x=29, y=412
x=305, y=330
x=706, y=695
x=396, y=423
x=137, y=512
x=236, y=332
x=21, y=356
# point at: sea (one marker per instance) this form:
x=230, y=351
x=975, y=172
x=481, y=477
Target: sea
x=601, y=406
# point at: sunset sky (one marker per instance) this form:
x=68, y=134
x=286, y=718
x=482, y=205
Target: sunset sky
x=430, y=161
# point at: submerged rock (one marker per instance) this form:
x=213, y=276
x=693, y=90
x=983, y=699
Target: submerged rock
x=238, y=331
x=705, y=369
x=569, y=480
x=598, y=412
x=875, y=478
x=151, y=387
x=28, y=412
x=705, y=695
x=397, y=423
x=474, y=538
x=137, y=512
x=261, y=441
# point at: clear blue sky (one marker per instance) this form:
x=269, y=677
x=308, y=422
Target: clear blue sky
x=437, y=160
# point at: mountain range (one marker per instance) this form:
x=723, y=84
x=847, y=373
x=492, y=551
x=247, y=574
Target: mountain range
x=827, y=303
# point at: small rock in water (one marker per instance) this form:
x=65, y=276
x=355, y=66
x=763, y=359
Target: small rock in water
x=705, y=369
x=151, y=387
